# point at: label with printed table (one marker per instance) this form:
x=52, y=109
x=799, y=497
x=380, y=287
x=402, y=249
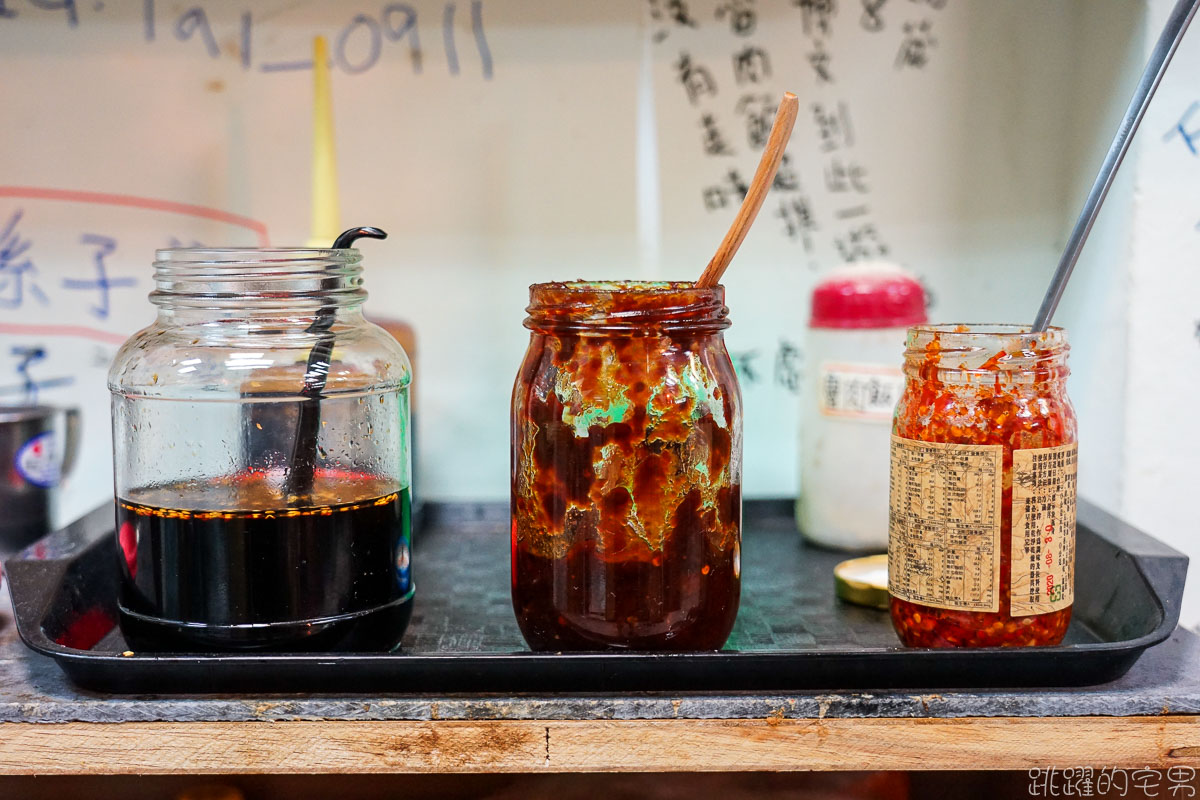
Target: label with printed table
x=1043, y=530
x=865, y=392
x=944, y=524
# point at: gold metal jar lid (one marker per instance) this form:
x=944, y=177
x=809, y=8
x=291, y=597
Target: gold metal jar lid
x=863, y=581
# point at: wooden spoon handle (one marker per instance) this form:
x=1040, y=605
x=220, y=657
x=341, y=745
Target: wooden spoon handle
x=764, y=176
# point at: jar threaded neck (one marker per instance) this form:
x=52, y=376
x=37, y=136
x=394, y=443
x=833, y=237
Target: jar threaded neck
x=230, y=278
x=626, y=308
x=958, y=352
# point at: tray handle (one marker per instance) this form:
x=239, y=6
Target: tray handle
x=1164, y=567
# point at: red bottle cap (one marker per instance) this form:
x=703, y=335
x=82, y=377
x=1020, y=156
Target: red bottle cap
x=871, y=295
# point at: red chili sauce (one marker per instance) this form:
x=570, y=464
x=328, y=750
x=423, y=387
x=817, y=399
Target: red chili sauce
x=992, y=408
x=626, y=481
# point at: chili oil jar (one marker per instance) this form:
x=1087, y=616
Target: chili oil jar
x=626, y=469
x=261, y=457
x=981, y=550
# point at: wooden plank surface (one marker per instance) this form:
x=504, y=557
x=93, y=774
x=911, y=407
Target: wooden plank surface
x=596, y=745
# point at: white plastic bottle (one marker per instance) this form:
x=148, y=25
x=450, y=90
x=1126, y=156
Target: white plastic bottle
x=855, y=347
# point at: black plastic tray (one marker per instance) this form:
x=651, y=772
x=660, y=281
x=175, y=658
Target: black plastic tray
x=791, y=633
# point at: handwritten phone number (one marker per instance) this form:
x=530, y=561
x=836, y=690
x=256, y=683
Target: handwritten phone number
x=357, y=46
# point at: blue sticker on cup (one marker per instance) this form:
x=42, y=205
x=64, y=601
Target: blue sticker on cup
x=39, y=461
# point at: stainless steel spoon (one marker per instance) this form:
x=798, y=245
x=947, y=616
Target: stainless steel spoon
x=1177, y=24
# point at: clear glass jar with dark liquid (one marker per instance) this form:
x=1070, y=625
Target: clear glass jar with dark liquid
x=261, y=440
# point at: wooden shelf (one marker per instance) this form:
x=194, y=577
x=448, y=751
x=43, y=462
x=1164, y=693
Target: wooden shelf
x=596, y=745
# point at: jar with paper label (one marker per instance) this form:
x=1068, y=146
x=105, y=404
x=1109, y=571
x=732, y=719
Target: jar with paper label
x=981, y=550
x=860, y=313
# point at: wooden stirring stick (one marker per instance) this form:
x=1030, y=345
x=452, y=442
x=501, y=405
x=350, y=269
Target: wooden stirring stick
x=764, y=176
x=326, y=211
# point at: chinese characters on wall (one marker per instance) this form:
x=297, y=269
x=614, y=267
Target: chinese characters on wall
x=724, y=68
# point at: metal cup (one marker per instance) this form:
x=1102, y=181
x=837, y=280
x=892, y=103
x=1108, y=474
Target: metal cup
x=38, y=445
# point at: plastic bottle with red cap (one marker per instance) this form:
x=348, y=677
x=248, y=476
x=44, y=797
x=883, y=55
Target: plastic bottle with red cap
x=855, y=344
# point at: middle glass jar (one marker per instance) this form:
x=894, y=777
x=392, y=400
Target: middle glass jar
x=626, y=469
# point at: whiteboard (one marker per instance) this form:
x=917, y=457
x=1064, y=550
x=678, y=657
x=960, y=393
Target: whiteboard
x=505, y=142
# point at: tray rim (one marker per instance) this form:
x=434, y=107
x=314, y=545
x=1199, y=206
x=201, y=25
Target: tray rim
x=1142, y=549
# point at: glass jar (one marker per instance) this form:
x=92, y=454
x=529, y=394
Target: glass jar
x=261, y=458
x=982, y=526
x=626, y=469
x=860, y=316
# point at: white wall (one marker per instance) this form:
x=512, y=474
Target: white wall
x=1132, y=304
x=1111, y=51
x=1161, y=435
x=485, y=184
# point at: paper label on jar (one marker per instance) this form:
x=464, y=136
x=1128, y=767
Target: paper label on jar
x=944, y=524
x=859, y=391
x=1042, y=568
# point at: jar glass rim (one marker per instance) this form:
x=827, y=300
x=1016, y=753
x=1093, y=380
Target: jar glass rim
x=978, y=328
x=985, y=349
x=224, y=278
x=245, y=255
x=626, y=306
x=622, y=287
x=976, y=334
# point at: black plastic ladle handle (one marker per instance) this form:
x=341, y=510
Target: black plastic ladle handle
x=348, y=238
x=308, y=425
x=318, y=359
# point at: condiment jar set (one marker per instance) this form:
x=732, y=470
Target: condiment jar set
x=262, y=465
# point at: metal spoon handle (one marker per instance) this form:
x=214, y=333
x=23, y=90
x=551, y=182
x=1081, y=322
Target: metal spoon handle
x=1176, y=25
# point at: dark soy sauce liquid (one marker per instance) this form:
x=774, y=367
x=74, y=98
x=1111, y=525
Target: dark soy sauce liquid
x=215, y=567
